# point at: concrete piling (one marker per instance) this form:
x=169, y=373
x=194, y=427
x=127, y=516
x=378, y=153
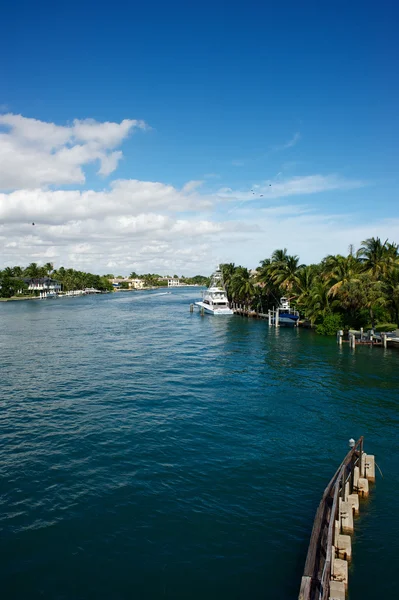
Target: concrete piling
x=340, y=572
x=346, y=517
x=350, y=483
x=363, y=488
x=369, y=467
x=337, y=590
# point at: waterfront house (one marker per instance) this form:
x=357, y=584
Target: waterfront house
x=42, y=284
x=172, y=282
x=135, y=284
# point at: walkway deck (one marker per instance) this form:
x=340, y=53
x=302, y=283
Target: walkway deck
x=326, y=569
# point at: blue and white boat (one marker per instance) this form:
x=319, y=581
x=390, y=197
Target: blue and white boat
x=215, y=301
x=286, y=314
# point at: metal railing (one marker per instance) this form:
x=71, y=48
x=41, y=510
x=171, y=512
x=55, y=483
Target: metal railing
x=319, y=561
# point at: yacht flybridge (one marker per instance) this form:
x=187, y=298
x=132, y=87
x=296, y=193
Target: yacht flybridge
x=215, y=301
x=285, y=314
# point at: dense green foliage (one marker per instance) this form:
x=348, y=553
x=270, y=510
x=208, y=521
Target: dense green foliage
x=330, y=324
x=11, y=279
x=351, y=291
x=10, y=285
x=156, y=280
x=79, y=280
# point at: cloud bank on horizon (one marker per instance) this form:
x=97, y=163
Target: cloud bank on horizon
x=147, y=226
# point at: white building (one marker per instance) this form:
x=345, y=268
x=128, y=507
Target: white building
x=136, y=284
x=43, y=284
x=173, y=282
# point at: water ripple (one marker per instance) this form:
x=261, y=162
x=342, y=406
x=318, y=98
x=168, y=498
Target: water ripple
x=148, y=452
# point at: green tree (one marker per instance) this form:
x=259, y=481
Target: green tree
x=10, y=285
x=390, y=289
x=228, y=270
x=32, y=270
x=243, y=286
x=49, y=268
x=377, y=257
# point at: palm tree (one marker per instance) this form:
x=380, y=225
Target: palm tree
x=318, y=303
x=339, y=271
x=18, y=271
x=372, y=296
x=9, y=272
x=284, y=272
x=306, y=278
x=279, y=256
x=228, y=270
x=390, y=288
x=49, y=268
x=242, y=286
x=32, y=271
x=377, y=257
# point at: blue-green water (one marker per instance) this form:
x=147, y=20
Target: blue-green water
x=147, y=452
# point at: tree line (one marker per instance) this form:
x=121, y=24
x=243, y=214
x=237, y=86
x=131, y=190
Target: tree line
x=157, y=280
x=360, y=289
x=12, y=279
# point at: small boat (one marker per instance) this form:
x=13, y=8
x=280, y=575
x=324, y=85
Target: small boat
x=286, y=314
x=48, y=295
x=215, y=301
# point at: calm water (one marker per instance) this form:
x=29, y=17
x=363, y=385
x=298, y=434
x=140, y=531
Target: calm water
x=147, y=452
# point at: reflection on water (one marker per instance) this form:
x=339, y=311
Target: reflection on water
x=149, y=452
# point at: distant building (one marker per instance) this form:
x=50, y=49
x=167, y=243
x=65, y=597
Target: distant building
x=173, y=282
x=136, y=284
x=42, y=284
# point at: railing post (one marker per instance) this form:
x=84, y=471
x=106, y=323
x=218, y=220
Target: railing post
x=352, y=472
x=360, y=458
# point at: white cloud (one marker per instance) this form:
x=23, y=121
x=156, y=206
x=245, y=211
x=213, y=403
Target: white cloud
x=125, y=198
x=154, y=226
x=292, y=142
x=35, y=153
x=190, y=186
x=295, y=186
x=149, y=225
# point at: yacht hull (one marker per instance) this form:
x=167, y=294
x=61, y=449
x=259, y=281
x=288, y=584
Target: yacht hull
x=290, y=320
x=214, y=311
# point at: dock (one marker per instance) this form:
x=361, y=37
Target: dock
x=369, y=338
x=325, y=576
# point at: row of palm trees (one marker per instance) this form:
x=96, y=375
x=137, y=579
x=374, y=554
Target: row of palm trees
x=12, y=278
x=360, y=288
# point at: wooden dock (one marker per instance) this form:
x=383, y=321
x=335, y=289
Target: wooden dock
x=325, y=575
x=369, y=338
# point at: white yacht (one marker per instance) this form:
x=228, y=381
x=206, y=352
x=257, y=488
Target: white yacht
x=215, y=300
x=286, y=314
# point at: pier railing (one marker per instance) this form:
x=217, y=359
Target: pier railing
x=337, y=502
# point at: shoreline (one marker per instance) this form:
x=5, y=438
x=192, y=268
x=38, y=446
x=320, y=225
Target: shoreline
x=144, y=289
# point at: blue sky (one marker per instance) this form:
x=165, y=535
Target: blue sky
x=237, y=96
